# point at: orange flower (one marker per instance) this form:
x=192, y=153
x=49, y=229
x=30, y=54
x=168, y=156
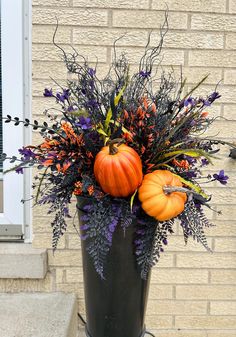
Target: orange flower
x=70, y=133
x=182, y=164
x=128, y=136
x=91, y=190
x=204, y=114
x=126, y=115
x=89, y=154
x=63, y=168
x=78, y=188
x=49, y=143
x=48, y=162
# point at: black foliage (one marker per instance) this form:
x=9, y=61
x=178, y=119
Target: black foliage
x=193, y=221
x=35, y=125
x=58, y=228
x=151, y=237
x=99, y=220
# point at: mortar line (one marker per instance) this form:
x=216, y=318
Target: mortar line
x=227, y=6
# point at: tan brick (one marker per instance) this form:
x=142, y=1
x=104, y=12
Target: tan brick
x=27, y=285
x=222, y=128
x=60, y=275
x=195, y=75
x=223, y=161
x=174, y=307
x=223, y=195
x=205, y=322
x=191, y=5
x=181, y=333
x=74, y=275
x=207, y=260
x=221, y=333
x=44, y=34
x=210, y=58
x=213, y=22
x=39, y=104
x=53, y=3
x=107, y=36
x=74, y=241
x=45, y=70
x=229, y=111
x=223, y=308
x=176, y=275
x=168, y=56
x=221, y=228
x=230, y=76
x=201, y=292
x=190, y=40
x=160, y=322
x=230, y=41
x=225, y=245
x=223, y=276
x=176, y=244
x=45, y=241
x=166, y=260
x=135, y=4
x=64, y=258
x=42, y=224
x=46, y=52
x=160, y=291
x=72, y=288
x=232, y=6
x=147, y=19
x=70, y=16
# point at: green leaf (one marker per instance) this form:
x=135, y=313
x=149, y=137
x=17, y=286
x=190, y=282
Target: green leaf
x=122, y=128
x=194, y=187
x=132, y=199
x=102, y=132
x=116, y=102
x=195, y=153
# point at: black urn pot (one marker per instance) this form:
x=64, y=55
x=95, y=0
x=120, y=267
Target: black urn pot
x=115, y=306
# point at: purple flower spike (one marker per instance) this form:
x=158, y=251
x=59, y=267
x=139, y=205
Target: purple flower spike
x=84, y=123
x=145, y=74
x=165, y=242
x=19, y=170
x=91, y=72
x=47, y=92
x=215, y=95
x=63, y=96
x=221, y=177
x=204, y=162
x=26, y=153
x=189, y=101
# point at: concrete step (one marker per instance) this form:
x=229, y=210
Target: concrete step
x=38, y=315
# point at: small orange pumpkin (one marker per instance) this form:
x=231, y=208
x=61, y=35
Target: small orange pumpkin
x=118, y=169
x=158, y=203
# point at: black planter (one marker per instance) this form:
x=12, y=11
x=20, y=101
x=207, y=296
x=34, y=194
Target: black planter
x=115, y=307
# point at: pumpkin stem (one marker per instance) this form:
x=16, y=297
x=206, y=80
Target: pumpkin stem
x=113, y=149
x=170, y=189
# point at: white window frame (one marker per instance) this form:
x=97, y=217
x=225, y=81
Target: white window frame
x=16, y=101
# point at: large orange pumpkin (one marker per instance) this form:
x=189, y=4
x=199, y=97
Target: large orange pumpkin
x=158, y=203
x=118, y=169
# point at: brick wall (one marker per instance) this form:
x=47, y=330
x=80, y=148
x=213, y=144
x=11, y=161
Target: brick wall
x=192, y=292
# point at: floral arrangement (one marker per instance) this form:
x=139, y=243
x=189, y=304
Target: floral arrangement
x=132, y=146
